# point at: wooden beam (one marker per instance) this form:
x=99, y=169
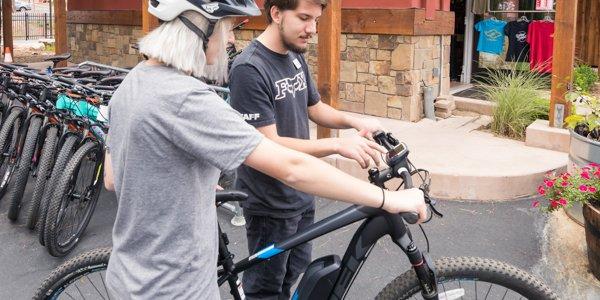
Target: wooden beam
x=563, y=60
x=329, y=59
x=7, y=33
x=149, y=21
x=377, y=21
x=60, y=29
x=123, y=17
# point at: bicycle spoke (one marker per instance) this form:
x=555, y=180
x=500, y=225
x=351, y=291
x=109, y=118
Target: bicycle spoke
x=80, y=293
x=104, y=284
x=97, y=290
x=488, y=292
x=69, y=295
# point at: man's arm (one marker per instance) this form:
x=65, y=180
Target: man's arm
x=327, y=116
x=356, y=147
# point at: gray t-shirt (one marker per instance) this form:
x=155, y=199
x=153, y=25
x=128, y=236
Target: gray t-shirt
x=170, y=137
x=271, y=88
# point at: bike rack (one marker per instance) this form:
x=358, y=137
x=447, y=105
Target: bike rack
x=103, y=66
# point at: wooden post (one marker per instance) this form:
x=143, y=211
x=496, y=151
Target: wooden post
x=60, y=29
x=149, y=21
x=330, y=31
x=563, y=60
x=7, y=33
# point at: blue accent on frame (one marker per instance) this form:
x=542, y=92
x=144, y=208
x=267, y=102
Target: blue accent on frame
x=295, y=296
x=269, y=252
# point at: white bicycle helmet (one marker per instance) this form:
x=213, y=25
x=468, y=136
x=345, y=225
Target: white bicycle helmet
x=212, y=10
x=168, y=10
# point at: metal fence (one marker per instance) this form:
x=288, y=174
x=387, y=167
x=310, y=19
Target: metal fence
x=32, y=26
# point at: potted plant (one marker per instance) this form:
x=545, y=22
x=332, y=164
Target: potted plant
x=581, y=186
x=584, y=125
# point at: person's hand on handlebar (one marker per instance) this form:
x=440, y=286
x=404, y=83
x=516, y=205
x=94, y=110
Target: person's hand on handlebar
x=409, y=200
x=360, y=149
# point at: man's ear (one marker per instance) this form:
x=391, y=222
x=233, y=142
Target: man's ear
x=275, y=14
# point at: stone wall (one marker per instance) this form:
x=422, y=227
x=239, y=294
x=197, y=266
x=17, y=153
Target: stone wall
x=106, y=44
x=382, y=75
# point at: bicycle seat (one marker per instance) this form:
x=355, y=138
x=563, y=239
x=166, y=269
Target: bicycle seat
x=229, y=195
x=58, y=58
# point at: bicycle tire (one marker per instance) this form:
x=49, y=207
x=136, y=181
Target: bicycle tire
x=20, y=176
x=72, y=271
x=8, y=139
x=66, y=151
x=61, y=199
x=474, y=269
x=43, y=172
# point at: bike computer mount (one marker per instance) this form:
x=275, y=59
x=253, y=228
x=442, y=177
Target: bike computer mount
x=396, y=158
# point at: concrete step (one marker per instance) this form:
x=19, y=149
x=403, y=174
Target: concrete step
x=467, y=164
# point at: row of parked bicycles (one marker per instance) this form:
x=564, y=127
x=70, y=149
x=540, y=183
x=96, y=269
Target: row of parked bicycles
x=53, y=125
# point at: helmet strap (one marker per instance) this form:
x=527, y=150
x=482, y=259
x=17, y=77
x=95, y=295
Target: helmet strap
x=198, y=31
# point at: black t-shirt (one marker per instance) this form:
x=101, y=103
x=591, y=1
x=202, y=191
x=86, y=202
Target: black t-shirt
x=271, y=88
x=518, y=48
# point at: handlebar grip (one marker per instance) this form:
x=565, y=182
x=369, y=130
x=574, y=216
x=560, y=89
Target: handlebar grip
x=410, y=217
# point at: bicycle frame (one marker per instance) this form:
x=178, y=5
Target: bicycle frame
x=377, y=224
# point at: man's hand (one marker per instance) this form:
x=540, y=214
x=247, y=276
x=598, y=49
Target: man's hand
x=367, y=126
x=360, y=149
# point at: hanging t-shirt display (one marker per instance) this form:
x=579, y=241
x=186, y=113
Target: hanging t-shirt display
x=491, y=36
x=544, y=4
x=541, y=43
x=518, y=48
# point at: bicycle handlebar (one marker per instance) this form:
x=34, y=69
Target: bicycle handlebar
x=23, y=73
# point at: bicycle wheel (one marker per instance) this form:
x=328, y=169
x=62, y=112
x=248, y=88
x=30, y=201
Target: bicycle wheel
x=18, y=180
x=65, y=153
x=8, y=144
x=471, y=278
x=43, y=172
x=74, y=199
x=81, y=277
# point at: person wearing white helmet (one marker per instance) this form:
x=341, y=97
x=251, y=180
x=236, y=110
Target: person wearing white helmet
x=170, y=138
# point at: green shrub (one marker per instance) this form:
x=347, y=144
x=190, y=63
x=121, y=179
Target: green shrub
x=584, y=77
x=517, y=98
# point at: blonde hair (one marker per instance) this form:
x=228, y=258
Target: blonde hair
x=175, y=45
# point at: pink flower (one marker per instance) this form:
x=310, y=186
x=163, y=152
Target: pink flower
x=554, y=204
x=597, y=173
x=593, y=164
x=535, y=204
x=562, y=201
x=541, y=190
x=583, y=188
x=591, y=189
x=585, y=175
x=550, y=183
x=564, y=183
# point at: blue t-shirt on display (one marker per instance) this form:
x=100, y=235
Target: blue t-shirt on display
x=491, y=36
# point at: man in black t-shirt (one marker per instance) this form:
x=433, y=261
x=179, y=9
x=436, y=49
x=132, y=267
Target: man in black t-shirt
x=272, y=88
x=518, y=48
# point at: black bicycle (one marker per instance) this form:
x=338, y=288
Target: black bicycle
x=330, y=277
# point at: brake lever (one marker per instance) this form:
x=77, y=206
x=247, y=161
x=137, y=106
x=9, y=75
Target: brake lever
x=431, y=203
